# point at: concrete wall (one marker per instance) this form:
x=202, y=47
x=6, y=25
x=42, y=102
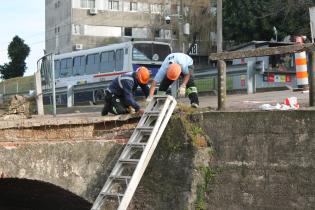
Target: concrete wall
x=58, y=26
x=265, y=160
x=72, y=154
x=211, y=160
x=233, y=161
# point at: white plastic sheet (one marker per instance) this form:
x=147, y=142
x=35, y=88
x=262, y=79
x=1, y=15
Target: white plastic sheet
x=289, y=104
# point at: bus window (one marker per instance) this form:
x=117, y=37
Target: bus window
x=107, y=61
x=57, y=69
x=160, y=52
x=150, y=52
x=66, y=67
x=142, y=52
x=92, y=64
x=119, y=60
x=79, y=65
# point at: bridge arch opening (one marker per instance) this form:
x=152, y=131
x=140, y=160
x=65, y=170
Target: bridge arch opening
x=24, y=194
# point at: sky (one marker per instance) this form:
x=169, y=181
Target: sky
x=27, y=20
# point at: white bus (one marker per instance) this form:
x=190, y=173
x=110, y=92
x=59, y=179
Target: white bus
x=89, y=71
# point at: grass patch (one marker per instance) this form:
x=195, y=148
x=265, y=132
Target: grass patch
x=204, y=188
x=210, y=83
x=195, y=133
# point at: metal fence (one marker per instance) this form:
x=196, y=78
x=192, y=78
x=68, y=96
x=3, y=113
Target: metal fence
x=46, y=80
x=205, y=79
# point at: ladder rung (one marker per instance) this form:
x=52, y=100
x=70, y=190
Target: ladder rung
x=148, y=129
x=160, y=97
x=137, y=144
x=131, y=161
x=153, y=113
x=157, y=116
x=120, y=177
x=112, y=194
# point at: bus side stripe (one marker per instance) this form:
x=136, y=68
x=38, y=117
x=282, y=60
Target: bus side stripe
x=107, y=75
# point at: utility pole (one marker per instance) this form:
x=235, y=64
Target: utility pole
x=219, y=26
x=220, y=64
x=180, y=28
x=312, y=81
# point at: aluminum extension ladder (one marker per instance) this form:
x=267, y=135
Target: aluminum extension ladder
x=129, y=168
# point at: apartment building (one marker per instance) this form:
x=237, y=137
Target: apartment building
x=82, y=24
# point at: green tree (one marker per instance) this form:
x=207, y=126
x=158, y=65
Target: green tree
x=17, y=52
x=247, y=20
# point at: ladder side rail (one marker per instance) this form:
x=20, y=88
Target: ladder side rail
x=98, y=202
x=155, y=128
x=149, y=107
x=163, y=124
x=162, y=127
x=145, y=160
x=161, y=130
x=117, y=167
x=135, y=132
x=135, y=179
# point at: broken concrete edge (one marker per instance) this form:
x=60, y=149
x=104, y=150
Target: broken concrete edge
x=93, y=118
x=67, y=119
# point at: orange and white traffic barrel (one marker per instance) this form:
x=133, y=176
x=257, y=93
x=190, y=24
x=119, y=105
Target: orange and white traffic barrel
x=301, y=70
x=301, y=65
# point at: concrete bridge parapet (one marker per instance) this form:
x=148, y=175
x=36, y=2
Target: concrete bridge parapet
x=72, y=152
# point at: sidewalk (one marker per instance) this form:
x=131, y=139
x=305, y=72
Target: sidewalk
x=235, y=102
x=253, y=101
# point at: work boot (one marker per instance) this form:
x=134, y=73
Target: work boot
x=194, y=105
x=107, y=103
x=104, y=110
x=194, y=101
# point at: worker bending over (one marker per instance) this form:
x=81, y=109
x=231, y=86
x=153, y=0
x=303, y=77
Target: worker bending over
x=119, y=98
x=175, y=65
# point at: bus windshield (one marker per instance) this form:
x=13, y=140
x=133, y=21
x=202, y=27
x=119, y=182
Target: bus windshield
x=150, y=52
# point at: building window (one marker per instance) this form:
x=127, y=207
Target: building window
x=87, y=4
x=57, y=4
x=143, y=7
x=157, y=33
x=156, y=8
x=128, y=31
x=113, y=5
x=76, y=29
x=57, y=30
x=133, y=6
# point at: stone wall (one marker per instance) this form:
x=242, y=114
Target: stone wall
x=211, y=160
x=237, y=161
x=264, y=160
x=74, y=155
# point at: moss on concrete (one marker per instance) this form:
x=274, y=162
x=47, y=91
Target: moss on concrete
x=192, y=129
x=179, y=173
x=204, y=187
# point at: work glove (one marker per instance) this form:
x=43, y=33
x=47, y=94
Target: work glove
x=182, y=91
x=149, y=99
x=140, y=112
x=131, y=110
